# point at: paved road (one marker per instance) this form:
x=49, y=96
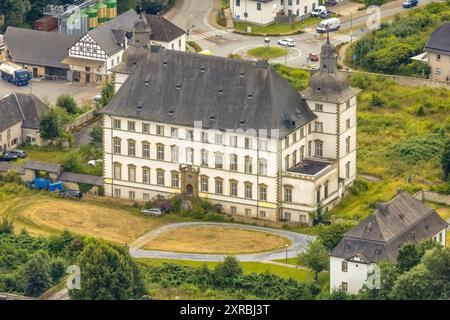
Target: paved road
x=298, y=244
x=194, y=15
x=50, y=90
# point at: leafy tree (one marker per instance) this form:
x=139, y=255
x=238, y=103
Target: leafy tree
x=73, y=162
x=445, y=160
x=315, y=258
x=57, y=269
x=36, y=274
x=50, y=127
x=96, y=136
x=408, y=257
x=413, y=284
x=107, y=92
x=13, y=12
x=67, y=102
x=227, y=272
x=331, y=235
x=125, y=5
x=107, y=273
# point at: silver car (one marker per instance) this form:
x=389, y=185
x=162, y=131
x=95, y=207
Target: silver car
x=287, y=42
x=156, y=212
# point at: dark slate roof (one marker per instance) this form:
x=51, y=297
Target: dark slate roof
x=223, y=93
x=309, y=167
x=439, y=41
x=10, y=113
x=81, y=178
x=162, y=29
x=18, y=107
x=380, y=236
x=39, y=48
x=7, y=166
x=110, y=36
x=43, y=166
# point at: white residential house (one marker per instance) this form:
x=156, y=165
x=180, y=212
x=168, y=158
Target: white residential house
x=233, y=132
x=98, y=51
x=379, y=237
x=265, y=11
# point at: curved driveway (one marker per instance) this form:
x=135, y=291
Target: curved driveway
x=298, y=244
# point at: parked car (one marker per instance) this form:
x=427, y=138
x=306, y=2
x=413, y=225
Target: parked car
x=73, y=194
x=153, y=212
x=98, y=97
x=317, y=11
x=18, y=153
x=93, y=163
x=410, y=3
x=8, y=157
x=313, y=56
x=326, y=14
x=329, y=24
x=286, y=42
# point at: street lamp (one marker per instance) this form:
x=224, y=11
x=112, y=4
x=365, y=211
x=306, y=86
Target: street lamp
x=286, y=245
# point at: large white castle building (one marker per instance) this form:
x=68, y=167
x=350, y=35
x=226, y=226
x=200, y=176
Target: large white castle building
x=233, y=132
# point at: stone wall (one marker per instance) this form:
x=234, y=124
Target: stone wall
x=432, y=196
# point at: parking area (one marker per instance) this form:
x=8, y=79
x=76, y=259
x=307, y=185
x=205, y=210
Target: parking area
x=50, y=90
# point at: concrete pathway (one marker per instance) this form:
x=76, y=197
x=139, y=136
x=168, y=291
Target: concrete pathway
x=298, y=244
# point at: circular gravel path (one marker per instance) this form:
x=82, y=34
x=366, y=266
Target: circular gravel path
x=298, y=244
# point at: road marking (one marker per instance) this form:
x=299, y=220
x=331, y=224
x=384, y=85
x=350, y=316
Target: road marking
x=198, y=35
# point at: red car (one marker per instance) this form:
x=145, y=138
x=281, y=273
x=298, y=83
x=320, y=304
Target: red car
x=313, y=57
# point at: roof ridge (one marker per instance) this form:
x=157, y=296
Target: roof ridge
x=19, y=105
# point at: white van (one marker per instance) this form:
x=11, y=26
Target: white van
x=330, y=24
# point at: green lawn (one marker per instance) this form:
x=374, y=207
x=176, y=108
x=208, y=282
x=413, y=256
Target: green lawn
x=249, y=267
x=267, y=53
x=275, y=28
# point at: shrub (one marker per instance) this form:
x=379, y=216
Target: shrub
x=417, y=148
x=57, y=269
x=67, y=103
x=6, y=226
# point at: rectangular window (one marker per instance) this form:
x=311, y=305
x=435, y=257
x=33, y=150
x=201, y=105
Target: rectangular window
x=262, y=145
x=248, y=165
x=302, y=218
x=233, y=210
x=146, y=175
x=302, y=133
x=233, y=188
x=319, y=127
x=294, y=158
x=233, y=162
x=258, y=6
x=117, y=171
x=344, y=266
x=309, y=128
x=438, y=57
x=319, y=149
x=263, y=167
x=218, y=138
x=160, y=130
x=175, y=180
x=117, y=193
x=204, y=184
x=262, y=193
x=205, y=137
x=219, y=186
x=131, y=126
x=233, y=141
x=344, y=286
x=286, y=163
x=288, y=194
x=248, y=212
x=146, y=197
x=347, y=104
x=174, y=157
x=347, y=170
x=287, y=216
x=146, y=150
x=347, y=123
x=189, y=155
x=248, y=191
x=286, y=141
x=347, y=145
x=319, y=107
x=204, y=154
x=160, y=152
x=131, y=148
x=117, y=146
x=238, y=3
x=146, y=128
x=189, y=135
x=262, y=214
x=219, y=160
x=160, y=177
x=116, y=124
x=132, y=173
x=248, y=143
x=174, y=132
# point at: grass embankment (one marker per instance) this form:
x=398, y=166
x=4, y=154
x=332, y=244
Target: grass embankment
x=43, y=214
x=267, y=53
x=274, y=29
x=249, y=267
x=216, y=240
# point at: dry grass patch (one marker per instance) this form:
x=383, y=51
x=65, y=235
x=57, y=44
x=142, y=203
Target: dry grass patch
x=46, y=215
x=216, y=240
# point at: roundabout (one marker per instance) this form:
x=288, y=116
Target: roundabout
x=210, y=241
x=292, y=53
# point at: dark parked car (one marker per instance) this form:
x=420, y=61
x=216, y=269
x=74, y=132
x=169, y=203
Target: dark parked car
x=8, y=157
x=73, y=194
x=18, y=153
